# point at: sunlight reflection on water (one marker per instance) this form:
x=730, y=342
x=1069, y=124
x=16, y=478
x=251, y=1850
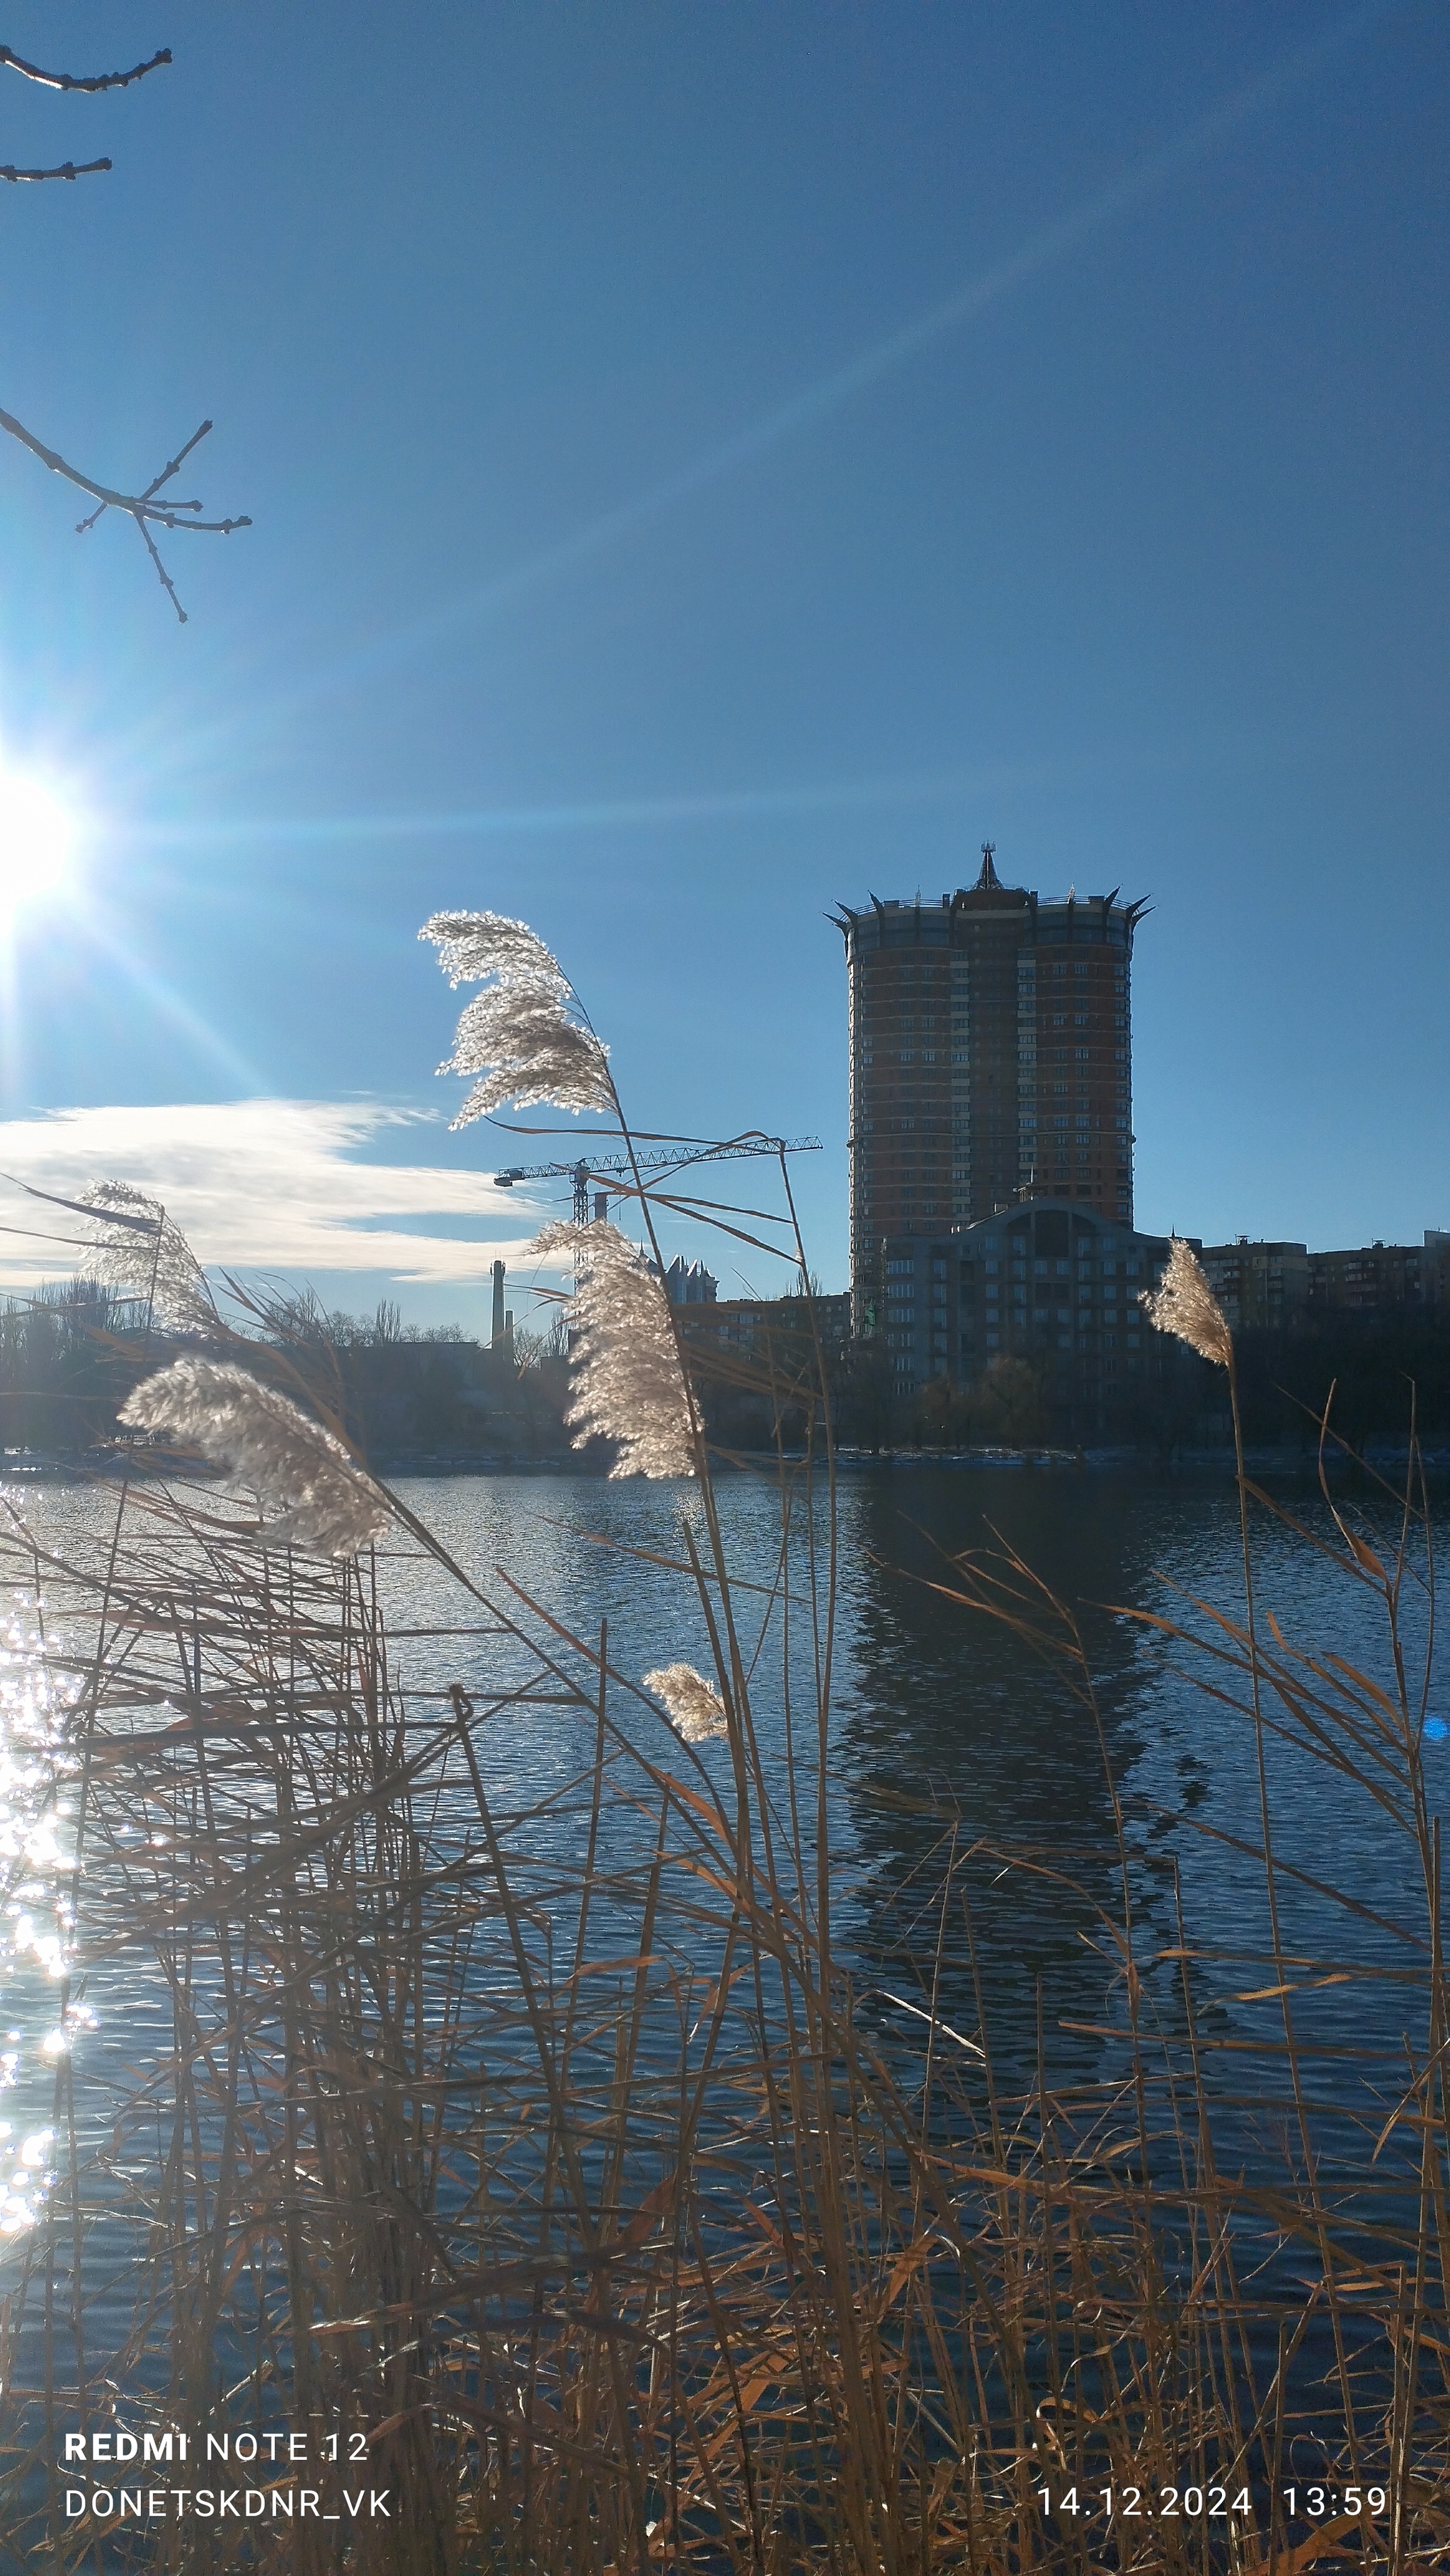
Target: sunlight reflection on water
x=37, y=1918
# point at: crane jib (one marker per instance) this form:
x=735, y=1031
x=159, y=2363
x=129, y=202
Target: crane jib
x=663, y=1160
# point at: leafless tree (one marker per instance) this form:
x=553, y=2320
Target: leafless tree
x=143, y=508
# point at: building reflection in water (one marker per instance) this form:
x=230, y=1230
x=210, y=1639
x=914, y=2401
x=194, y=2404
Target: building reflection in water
x=969, y=1753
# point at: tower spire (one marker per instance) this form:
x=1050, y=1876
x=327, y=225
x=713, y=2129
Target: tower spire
x=989, y=877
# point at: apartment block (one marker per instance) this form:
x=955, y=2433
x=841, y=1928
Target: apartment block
x=1059, y=1288
x=1260, y=1286
x=762, y=1326
x=990, y=1060
x=1378, y=1278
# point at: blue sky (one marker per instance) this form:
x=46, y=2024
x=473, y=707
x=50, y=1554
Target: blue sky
x=706, y=461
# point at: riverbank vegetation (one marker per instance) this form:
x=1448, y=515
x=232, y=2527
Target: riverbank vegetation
x=485, y=2091
x=1358, y=1368
x=69, y=1353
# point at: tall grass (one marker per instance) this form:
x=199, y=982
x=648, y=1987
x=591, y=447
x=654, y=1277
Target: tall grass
x=522, y=2129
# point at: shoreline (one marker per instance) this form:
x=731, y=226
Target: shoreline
x=1388, y=1459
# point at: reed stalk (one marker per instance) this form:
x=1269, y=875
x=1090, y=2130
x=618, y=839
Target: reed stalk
x=530, y=2132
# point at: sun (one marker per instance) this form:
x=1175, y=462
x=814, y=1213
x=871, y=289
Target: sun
x=35, y=840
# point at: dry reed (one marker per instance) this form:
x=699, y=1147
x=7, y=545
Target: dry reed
x=520, y=2127
x=519, y=1037
x=300, y=1471
x=629, y=1382
x=695, y=1711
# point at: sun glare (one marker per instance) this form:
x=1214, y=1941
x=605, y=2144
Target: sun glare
x=35, y=840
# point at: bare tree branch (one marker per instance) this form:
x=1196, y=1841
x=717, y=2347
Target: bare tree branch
x=95, y=81
x=66, y=170
x=175, y=466
x=138, y=506
x=162, y=575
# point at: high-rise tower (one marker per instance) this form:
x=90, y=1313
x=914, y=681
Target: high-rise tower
x=991, y=1058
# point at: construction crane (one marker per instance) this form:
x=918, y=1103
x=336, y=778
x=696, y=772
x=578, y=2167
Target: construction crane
x=665, y=1159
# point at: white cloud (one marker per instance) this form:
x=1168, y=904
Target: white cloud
x=261, y=1185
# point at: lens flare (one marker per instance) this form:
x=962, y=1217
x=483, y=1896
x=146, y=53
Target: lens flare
x=35, y=840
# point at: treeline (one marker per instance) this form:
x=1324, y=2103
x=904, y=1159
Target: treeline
x=1371, y=1371
x=65, y=1365
x=1375, y=1374
x=70, y=1354
x=404, y=1393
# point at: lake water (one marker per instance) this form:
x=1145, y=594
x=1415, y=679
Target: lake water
x=975, y=1787
x=947, y=1730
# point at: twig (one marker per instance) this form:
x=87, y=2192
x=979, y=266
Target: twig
x=162, y=575
x=136, y=504
x=63, y=170
x=164, y=476
x=91, y=82
x=140, y=506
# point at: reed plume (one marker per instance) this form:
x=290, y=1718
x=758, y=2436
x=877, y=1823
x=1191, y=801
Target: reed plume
x=628, y=1382
x=519, y=1037
x=472, y=946
x=1184, y=1304
x=156, y=1266
x=297, y=1469
x=695, y=1711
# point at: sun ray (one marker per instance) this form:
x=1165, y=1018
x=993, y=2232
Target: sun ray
x=839, y=385
x=599, y=814
x=163, y=998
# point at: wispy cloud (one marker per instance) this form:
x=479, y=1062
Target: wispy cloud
x=262, y=1185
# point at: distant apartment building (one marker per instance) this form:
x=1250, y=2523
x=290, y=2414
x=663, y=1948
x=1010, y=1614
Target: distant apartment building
x=1056, y=1287
x=1269, y=1287
x=759, y=1364
x=1375, y=1279
x=756, y=1325
x=1260, y=1286
x=990, y=1060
